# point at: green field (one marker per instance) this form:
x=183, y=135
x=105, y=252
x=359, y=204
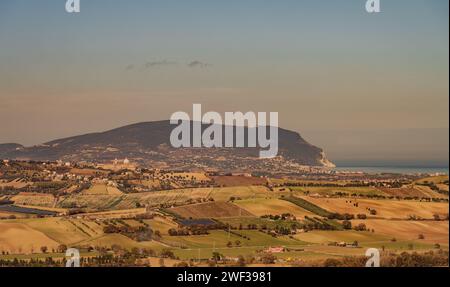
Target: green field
x=220, y=238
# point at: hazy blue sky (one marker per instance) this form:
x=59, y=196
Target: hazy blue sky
x=364, y=87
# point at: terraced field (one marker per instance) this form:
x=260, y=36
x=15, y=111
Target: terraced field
x=64, y=231
x=102, y=189
x=121, y=213
x=325, y=237
x=161, y=224
x=16, y=183
x=156, y=198
x=36, y=199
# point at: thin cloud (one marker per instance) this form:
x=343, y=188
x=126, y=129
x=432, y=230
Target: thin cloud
x=166, y=63
x=162, y=63
x=198, y=64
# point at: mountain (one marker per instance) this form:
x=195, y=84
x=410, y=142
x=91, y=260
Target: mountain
x=149, y=143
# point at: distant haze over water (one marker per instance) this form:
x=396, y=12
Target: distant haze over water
x=393, y=169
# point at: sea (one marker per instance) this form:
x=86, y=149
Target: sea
x=393, y=169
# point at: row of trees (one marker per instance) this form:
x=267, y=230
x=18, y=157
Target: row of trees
x=428, y=259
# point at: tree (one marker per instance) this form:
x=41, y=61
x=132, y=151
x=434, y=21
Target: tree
x=331, y=262
x=268, y=258
x=241, y=261
x=216, y=256
x=182, y=264
x=62, y=248
x=346, y=224
x=44, y=249
x=173, y=232
x=166, y=253
x=421, y=236
x=360, y=227
x=362, y=216
x=136, y=251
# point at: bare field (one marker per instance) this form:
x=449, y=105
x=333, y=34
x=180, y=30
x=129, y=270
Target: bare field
x=434, y=179
x=240, y=192
x=388, y=209
x=443, y=187
x=210, y=210
x=274, y=206
x=20, y=238
x=433, y=231
x=227, y=181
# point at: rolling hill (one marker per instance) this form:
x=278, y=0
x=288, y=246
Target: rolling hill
x=149, y=143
